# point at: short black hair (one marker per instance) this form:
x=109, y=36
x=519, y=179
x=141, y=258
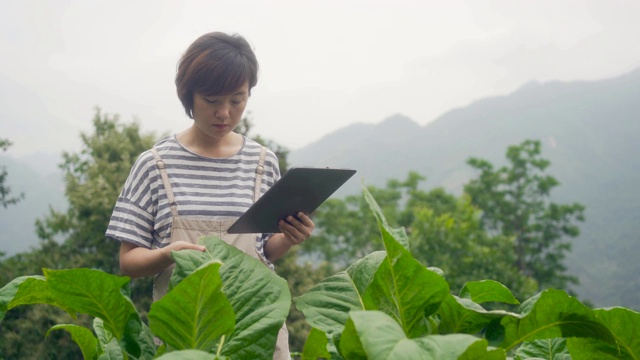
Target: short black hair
x=215, y=64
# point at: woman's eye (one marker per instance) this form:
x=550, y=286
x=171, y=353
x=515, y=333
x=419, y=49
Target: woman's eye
x=211, y=101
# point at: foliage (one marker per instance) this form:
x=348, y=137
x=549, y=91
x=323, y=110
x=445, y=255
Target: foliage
x=75, y=238
x=5, y=191
x=515, y=203
x=237, y=306
x=385, y=305
x=456, y=242
x=442, y=230
x=94, y=178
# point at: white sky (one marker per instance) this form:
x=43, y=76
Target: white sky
x=323, y=64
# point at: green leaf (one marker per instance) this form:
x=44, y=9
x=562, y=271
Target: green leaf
x=402, y=286
x=326, y=306
x=95, y=293
x=625, y=326
x=99, y=294
x=551, y=314
x=259, y=297
x=195, y=314
x=552, y=349
x=26, y=290
x=147, y=343
x=104, y=336
x=487, y=291
x=459, y=315
x=189, y=355
x=83, y=337
x=112, y=351
x=316, y=346
x=375, y=335
x=398, y=233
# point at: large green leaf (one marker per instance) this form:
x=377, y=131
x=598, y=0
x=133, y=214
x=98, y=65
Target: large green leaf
x=550, y=314
x=487, y=291
x=95, y=293
x=100, y=295
x=26, y=290
x=195, y=314
x=402, y=287
x=625, y=326
x=259, y=297
x=375, y=335
x=83, y=337
x=326, y=306
x=458, y=315
x=552, y=349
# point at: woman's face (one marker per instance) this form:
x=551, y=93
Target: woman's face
x=217, y=116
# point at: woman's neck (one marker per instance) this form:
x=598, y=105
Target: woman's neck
x=207, y=146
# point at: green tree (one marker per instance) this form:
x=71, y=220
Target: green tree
x=5, y=191
x=75, y=238
x=515, y=202
x=454, y=241
x=94, y=179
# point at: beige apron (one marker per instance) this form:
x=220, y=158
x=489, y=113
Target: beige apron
x=191, y=230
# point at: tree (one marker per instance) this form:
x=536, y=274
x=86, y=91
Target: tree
x=5, y=191
x=75, y=238
x=444, y=231
x=515, y=202
x=454, y=241
x=94, y=178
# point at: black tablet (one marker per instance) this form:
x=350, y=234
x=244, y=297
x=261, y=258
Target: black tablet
x=299, y=189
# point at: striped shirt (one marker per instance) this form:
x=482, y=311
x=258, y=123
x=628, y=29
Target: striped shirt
x=205, y=188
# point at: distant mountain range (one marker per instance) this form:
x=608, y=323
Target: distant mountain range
x=589, y=130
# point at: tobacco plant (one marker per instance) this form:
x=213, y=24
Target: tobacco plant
x=223, y=304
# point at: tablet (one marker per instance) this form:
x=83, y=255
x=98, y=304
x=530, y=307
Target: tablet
x=299, y=189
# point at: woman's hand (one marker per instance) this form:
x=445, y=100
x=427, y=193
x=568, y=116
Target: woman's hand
x=296, y=230
x=137, y=261
x=181, y=245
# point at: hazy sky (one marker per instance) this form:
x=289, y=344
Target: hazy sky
x=323, y=64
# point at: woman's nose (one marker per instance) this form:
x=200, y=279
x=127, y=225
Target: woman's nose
x=222, y=112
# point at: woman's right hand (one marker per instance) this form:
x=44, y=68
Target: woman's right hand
x=136, y=261
x=181, y=245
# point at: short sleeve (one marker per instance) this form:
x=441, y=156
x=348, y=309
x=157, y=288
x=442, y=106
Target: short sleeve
x=133, y=215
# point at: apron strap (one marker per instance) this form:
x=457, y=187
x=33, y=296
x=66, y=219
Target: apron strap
x=259, y=173
x=165, y=181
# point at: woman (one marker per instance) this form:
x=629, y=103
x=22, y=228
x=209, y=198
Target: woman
x=197, y=182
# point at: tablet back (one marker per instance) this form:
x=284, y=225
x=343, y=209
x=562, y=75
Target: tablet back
x=299, y=189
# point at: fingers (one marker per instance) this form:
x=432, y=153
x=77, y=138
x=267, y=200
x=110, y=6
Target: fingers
x=297, y=230
x=185, y=245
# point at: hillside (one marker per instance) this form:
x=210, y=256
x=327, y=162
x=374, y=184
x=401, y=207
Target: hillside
x=590, y=132
x=41, y=188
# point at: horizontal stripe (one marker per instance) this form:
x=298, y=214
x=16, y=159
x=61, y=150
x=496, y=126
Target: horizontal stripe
x=203, y=188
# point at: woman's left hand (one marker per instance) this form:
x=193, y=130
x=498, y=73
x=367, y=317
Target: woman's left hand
x=296, y=229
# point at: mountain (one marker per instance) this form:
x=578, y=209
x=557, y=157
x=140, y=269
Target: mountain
x=590, y=131
x=42, y=186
